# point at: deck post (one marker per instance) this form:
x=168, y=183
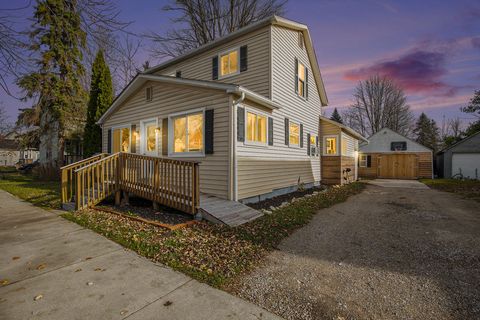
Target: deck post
x=64, y=186
x=118, y=170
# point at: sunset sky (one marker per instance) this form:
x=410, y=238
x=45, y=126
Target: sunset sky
x=430, y=48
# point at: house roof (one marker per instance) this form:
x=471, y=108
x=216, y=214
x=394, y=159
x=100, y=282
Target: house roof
x=141, y=79
x=273, y=20
x=459, y=142
x=344, y=127
x=8, y=144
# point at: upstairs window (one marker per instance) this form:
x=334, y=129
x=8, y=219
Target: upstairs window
x=149, y=93
x=301, y=79
x=229, y=63
x=256, y=128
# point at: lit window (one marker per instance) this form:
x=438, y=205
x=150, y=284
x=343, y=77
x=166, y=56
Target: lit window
x=331, y=145
x=188, y=133
x=150, y=137
x=313, y=146
x=229, y=63
x=294, y=134
x=363, y=160
x=256, y=128
x=121, y=140
x=301, y=79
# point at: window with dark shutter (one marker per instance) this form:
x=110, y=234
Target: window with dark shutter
x=240, y=124
x=215, y=68
x=165, y=137
x=270, y=131
x=178, y=74
x=308, y=144
x=243, y=58
x=287, y=131
x=109, y=141
x=208, y=131
x=369, y=161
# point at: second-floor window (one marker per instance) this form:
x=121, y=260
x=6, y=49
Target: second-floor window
x=229, y=63
x=301, y=79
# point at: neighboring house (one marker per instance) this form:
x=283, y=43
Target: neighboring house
x=339, y=158
x=461, y=159
x=390, y=155
x=11, y=154
x=247, y=106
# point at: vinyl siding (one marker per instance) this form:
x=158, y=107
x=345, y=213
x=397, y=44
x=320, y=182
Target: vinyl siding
x=256, y=77
x=168, y=99
x=348, y=145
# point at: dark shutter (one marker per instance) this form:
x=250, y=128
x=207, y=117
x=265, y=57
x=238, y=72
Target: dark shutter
x=109, y=142
x=165, y=137
x=301, y=135
x=133, y=139
x=270, y=131
x=369, y=161
x=209, y=132
x=287, y=132
x=308, y=144
x=243, y=58
x=215, y=68
x=306, y=82
x=316, y=146
x=240, y=124
x=296, y=75
x=178, y=74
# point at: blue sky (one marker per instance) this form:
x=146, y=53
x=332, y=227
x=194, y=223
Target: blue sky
x=431, y=48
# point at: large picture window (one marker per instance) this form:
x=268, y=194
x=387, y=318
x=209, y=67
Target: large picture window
x=256, y=128
x=121, y=140
x=229, y=63
x=188, y=133
x=294, y=134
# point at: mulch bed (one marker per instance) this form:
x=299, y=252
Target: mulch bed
x=277, y=201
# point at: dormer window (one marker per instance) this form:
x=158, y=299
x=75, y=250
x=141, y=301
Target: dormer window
x=229, y=63
x=149, y=93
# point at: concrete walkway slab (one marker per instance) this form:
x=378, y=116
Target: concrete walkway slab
x=392, y=183
x=82, y=275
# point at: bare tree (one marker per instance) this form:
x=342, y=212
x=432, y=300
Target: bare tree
x=201, y=21
x=5, y=125
x=455, y=127
x=125, y=65
x=379, y=103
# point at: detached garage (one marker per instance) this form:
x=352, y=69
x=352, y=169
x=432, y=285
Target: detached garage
x=389, y=155
x=461, y=159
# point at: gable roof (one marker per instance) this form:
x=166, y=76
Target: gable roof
x=372, y=145
x=344, y=127
x=459, y=142
x=273, y=20
x=141, y=79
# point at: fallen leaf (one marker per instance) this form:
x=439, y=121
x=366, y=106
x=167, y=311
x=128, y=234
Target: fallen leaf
x=15, y=258
x=123, y=312
x=38, y=297
x=88, y=258
x=168, y=303
x=97, y=269
x=41, y=266
x=4, y=282
x=78, y=270
x=89, y=283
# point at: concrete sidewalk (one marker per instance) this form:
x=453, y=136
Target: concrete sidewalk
x=396, y=183
x=78, y=274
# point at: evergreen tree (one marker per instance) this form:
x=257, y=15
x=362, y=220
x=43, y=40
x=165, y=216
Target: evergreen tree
x=473, y=108
x=336, y=116
x=56, y=44
x=426, y=132
x=101, y=96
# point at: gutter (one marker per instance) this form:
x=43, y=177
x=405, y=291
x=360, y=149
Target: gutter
x=234, y=145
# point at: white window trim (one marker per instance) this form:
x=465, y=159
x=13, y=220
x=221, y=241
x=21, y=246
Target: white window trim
x=143, y=133
x=220, y=76
x=254, y=143
x=317, y=154
x=324, y=148
x=170, y=134
x=304, y=97
x=123, y=126
x=360, y=160
x=296, y=146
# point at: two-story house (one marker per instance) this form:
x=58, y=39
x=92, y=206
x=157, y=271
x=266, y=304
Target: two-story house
x=247, y=106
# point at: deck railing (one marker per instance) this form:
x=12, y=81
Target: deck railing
x=170, y=182
x=68, y=176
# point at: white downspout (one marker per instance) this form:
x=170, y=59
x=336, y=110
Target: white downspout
x=234, y=144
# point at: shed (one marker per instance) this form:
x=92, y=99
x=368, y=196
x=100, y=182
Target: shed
x=390, y=155
x=461, y=159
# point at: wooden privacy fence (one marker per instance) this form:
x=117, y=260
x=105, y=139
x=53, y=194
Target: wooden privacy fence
x=173, y=183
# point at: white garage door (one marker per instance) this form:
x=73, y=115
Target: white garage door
x=466, y=163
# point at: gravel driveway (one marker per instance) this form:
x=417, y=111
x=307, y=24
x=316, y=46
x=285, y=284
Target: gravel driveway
x=387, y=253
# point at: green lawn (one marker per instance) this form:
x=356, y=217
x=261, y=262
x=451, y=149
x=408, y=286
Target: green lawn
x=468, y=189
x=45, y=194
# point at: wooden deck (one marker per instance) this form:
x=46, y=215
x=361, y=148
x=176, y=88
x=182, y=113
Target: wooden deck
x=231, y=213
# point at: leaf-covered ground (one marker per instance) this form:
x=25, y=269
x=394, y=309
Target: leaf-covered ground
x=212, y=253
x=468, y=189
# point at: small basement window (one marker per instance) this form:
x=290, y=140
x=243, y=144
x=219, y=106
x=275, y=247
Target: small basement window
x=149, y=93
